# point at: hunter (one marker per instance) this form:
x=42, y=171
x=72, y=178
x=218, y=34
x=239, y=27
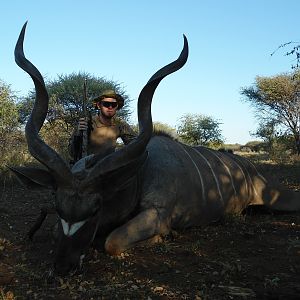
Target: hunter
x=104, y=128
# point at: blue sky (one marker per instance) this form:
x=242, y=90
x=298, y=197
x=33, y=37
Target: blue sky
x=127, y=41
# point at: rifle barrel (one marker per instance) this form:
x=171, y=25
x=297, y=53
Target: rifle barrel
x=84, y=144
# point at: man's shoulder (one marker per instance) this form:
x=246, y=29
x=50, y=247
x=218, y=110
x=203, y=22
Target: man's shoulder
x=95, y=121
x=94, y=118
x=120, y=122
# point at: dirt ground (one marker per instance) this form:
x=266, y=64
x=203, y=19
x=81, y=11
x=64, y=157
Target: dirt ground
x=254, y=256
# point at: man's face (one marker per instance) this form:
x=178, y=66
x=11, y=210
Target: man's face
x=108, y=107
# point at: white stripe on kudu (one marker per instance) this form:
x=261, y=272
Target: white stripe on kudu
x=226, y=168
x=258, y=173
x=212, y=171
x=200, y=176
x=238, y=165
x=70, y=229
x=241, y=162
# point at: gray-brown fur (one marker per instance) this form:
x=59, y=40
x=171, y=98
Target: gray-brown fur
x=145, y=189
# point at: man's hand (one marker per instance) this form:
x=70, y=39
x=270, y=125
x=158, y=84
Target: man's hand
x=82, y=124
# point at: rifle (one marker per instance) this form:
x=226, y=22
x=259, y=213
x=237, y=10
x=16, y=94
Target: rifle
x=84, y=132
x=81, y=141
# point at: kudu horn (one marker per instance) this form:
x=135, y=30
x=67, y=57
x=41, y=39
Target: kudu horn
x=37, y=147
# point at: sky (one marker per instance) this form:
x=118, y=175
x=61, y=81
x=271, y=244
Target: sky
x=230, y=43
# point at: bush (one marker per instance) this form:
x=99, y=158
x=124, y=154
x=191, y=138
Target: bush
x=14, y=151
x=57, y=135
x=12, y=142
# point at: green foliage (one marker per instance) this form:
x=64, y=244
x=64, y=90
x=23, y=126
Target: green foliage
x=8, y=111
x=282, y=149
x=255, y=146
x=54, y=133
x=66, y=97
x=196, y=129
x=24, y=107
x=268, y=133
x=277, y=103
x=12, y=142
x=66, y=105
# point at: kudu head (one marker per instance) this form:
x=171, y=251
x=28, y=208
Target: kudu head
x=83, y=191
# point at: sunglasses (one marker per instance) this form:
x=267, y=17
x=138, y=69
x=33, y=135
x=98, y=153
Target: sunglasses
x=108, y=104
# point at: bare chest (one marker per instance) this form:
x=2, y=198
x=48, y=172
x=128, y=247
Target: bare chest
x=102, y=134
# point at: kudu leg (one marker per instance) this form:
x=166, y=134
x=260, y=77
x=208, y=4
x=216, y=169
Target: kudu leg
x=142, y=227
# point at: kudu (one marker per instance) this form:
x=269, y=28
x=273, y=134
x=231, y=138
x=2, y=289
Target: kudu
x=143, y=190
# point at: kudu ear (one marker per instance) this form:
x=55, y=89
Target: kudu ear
x=34, y=178
x=122, y=175
x=119, y=178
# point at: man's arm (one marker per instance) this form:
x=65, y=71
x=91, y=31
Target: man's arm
x=75, y=141
x=127, y=134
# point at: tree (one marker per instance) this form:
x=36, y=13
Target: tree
x=66, y=97
x=268, y=133
x=65, y=106
x=10, y=135
x=293, y=51
x=196, y=129
x=8, y=111
x=277, y=98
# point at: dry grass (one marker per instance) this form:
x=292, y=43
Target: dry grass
x=6, y=295
x=286, y=172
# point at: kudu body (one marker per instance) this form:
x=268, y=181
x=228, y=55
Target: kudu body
x=147, y=188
